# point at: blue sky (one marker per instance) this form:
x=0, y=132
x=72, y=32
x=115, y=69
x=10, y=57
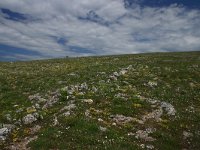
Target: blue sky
x=48, y=29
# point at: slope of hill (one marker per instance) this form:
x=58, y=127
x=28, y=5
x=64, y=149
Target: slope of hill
x=145, y=101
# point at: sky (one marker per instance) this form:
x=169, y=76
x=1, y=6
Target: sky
x=35, y=29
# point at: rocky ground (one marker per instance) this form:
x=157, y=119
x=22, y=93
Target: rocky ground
x=117, y=102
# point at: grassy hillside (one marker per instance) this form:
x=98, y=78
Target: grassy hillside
x=146, y=101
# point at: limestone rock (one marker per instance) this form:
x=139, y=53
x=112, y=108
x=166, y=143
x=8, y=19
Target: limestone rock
x=103, y=129
x=28, y=119
x=69, y=107
x=121, y=119
x=144, y=135
x=187, y=134
x=66, y=114
x=89, y=101
x=168, y=108
x=4, y=131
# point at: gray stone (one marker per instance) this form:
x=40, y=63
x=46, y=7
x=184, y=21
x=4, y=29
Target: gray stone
x=144, y=135
x=4, y=131
x=36, y=98
x=121, y=119
x=129, y=67
x=131, y=134
x=116, y=74
x=152, y=101
x=66, y=114
x=100, y=120
x=35, y=129
x=28, y=119
x=156, y=114
x=94, y=89
x=150, y=147
x=187, y=135
x=36, y=115
x=9, y=126
x=123, y=72
x=152, y=84
x=8, y=117
x=88, y=101
x=51, y=101
x=87, y=113
x=69, y=107
x=103, y=129
x=112, y=77
x=19, y=110
x=37, y=106
x=169, y=108
x=84, y=86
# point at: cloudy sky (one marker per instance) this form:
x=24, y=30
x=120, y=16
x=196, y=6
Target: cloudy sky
x=37, y=29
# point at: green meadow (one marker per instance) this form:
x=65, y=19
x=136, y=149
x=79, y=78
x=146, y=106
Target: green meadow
x=122, y=102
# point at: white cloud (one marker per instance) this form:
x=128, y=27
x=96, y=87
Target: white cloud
x=133, y=30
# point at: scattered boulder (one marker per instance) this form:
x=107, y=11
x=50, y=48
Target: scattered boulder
x=152, y=84
x=121, y=119
x=100, y=120
x=161, y=108
x=144, y=135
x=94, y=89
x=123, y=72
x=8, y=117
x=190, y=109
x=116, y=74
x=112, y=77
x=168, y=108
x=151, y=101
x=30, y=118
x=66, y=114
x=5, y=130
x=36, y=98
x=89, y=101
x=52, y=100
x=103, y=129
x=69, y=107
x=150, y=147
x=87, y=113
x=187, y=135
x=35, y=129
x=155, y=114
x=72, y=74
x=37, y=106
x=19, y=110
x=114, y=124
x=4, y=133
x=83, y=86
x=121, y=95
x=129, y=67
